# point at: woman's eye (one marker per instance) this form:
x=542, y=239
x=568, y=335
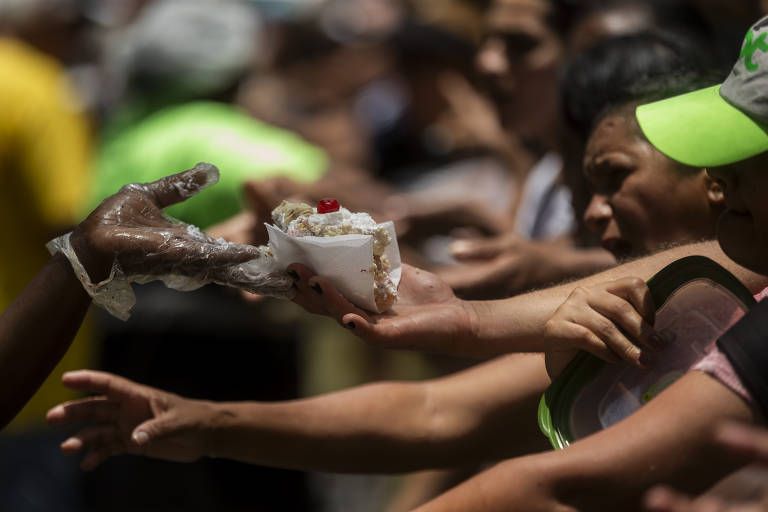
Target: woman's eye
x=608, y=178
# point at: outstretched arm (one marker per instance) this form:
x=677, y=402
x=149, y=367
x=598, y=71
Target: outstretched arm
x=668, y=440
x=128, y=227
x=482, y=414
x=429, y=317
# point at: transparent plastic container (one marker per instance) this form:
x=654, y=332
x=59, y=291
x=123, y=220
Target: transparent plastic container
x=699, y=300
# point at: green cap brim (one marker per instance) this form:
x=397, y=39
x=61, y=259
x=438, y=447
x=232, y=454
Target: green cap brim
x=701, y=129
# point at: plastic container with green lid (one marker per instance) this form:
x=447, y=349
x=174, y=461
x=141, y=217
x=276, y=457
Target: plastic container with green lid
x=697, y=301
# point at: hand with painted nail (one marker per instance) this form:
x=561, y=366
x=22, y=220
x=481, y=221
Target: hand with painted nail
x=427, y=315
x=128, y=418
x=745, y=441
x=612, y=320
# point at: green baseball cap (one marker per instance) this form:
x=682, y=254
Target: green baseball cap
x=718, y=125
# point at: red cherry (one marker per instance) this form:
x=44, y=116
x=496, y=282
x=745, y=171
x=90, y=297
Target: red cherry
x=327, y=205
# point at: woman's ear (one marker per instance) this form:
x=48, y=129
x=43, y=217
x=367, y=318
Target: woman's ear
x=714, y=190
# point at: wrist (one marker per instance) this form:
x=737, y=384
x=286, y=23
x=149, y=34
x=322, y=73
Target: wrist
x=483, y=330
x=96, y=263
x=66, y=275
x=221, y=417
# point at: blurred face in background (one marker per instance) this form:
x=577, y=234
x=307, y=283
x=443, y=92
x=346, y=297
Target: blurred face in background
x=643, y=201
x=520, y=58
x=610, y=21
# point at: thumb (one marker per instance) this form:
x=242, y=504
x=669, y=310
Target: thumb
x=180, y=187
x=148, y=432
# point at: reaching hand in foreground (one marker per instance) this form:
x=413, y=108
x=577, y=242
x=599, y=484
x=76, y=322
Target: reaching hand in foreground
x=128, y=238
x=612, y=320
x=747, y=441
x=126, y=417
x=426, y=314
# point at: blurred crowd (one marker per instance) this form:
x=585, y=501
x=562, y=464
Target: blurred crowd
x=486, y=129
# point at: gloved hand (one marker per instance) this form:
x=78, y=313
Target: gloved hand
x=128, y=238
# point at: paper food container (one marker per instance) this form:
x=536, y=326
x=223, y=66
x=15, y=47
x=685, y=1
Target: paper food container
x=697, y=301
x=345, y=260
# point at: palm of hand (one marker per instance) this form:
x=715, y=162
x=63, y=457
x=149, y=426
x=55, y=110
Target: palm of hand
x=133, y=226
x=426, y=315
x=426, y=312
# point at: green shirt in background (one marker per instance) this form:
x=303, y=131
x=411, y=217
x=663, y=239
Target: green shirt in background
x=178, y=137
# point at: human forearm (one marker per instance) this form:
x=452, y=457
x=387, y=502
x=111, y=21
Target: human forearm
x=36, y=330
x=668, y=440
x=354, y=430
x=399, y=427
x=517, y=323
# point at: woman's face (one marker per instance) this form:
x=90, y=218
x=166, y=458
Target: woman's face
x=641, y=200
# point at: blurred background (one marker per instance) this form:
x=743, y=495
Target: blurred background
x=452, y=117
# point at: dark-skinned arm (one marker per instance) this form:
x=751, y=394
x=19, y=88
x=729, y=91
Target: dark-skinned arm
x=36, y=330
x=129, y=230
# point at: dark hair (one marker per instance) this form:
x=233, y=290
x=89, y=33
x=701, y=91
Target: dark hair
x=646, y=66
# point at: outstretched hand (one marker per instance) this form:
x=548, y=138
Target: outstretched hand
x=130, y=228
x=426, y=316
x=129, y=239
x=129, y=418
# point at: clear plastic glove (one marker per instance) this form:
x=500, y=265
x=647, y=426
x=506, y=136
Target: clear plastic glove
x=128, y=238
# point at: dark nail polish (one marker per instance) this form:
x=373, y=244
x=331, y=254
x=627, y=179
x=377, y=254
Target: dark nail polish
x=349, y=325
x=317, y=288
x=293, y=275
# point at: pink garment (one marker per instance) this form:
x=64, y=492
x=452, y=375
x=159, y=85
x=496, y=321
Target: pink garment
x=717, y=365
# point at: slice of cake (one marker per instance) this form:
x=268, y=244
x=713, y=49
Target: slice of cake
x=329, y=219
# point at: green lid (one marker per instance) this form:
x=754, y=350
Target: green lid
x=697, y=300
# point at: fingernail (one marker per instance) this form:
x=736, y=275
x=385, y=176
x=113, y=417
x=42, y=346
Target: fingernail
x=69, y=442
x=317, y=288
x=459, y=246
x=349, y=325
x=646, y=358
x=140, y=438
x=293, y=275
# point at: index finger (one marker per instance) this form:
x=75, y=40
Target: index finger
x=158, y=253
x=179, y=187
x=635, y=291
x=93, y=381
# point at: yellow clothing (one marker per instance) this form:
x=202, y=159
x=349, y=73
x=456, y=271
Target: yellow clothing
x=44, y=158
